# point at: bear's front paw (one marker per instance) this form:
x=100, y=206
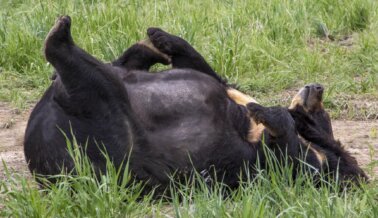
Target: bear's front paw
x=256, y=111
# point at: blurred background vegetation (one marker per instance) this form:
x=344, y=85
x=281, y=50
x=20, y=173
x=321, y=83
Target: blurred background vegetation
x=269, y=48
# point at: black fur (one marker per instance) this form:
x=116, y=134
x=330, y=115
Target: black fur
x=171, y=121
x=315, y=131
x=139, y=57
x=315, y=128
x=182, y=53
x=168, y=122
x=285, y=129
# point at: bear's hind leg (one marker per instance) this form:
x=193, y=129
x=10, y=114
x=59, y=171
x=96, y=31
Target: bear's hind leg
x=76, y=68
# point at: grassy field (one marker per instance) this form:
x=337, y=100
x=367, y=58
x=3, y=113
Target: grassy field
x=267, y=47
x=264, y=46
x=271, y=193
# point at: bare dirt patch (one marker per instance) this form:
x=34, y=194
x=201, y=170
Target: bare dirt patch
x=359, y=137
x=322, y=43
x=12, y=128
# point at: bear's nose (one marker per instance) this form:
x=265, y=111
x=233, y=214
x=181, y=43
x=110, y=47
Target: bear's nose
x=315, y=86
x=318, y=87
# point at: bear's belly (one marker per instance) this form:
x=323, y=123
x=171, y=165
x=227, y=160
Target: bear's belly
x=178, y=110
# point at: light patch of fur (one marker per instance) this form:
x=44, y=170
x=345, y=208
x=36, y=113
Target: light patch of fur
x=149, y=45
x=312, y=103
x=297, y=100
x=239, y=97
x=255, y=130
x=319, y=155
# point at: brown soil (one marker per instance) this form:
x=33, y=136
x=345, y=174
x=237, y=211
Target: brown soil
x=12, y=128
x=359, y=137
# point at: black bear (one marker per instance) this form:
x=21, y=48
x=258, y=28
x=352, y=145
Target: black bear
x=305, y=118
x=169, y=122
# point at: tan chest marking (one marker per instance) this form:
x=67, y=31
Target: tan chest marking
x=256, y=130
x=239, y=97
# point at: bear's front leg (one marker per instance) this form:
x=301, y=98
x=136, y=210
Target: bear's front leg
x=282, y=137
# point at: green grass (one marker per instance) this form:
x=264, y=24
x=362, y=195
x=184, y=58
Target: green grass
x=267, y=47
x=268, y=196
x=271, y=193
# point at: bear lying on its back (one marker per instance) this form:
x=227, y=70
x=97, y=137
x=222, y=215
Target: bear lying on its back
x=173, y=121
x=167, y=122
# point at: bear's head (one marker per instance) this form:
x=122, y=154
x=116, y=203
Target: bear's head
x=309, y=100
